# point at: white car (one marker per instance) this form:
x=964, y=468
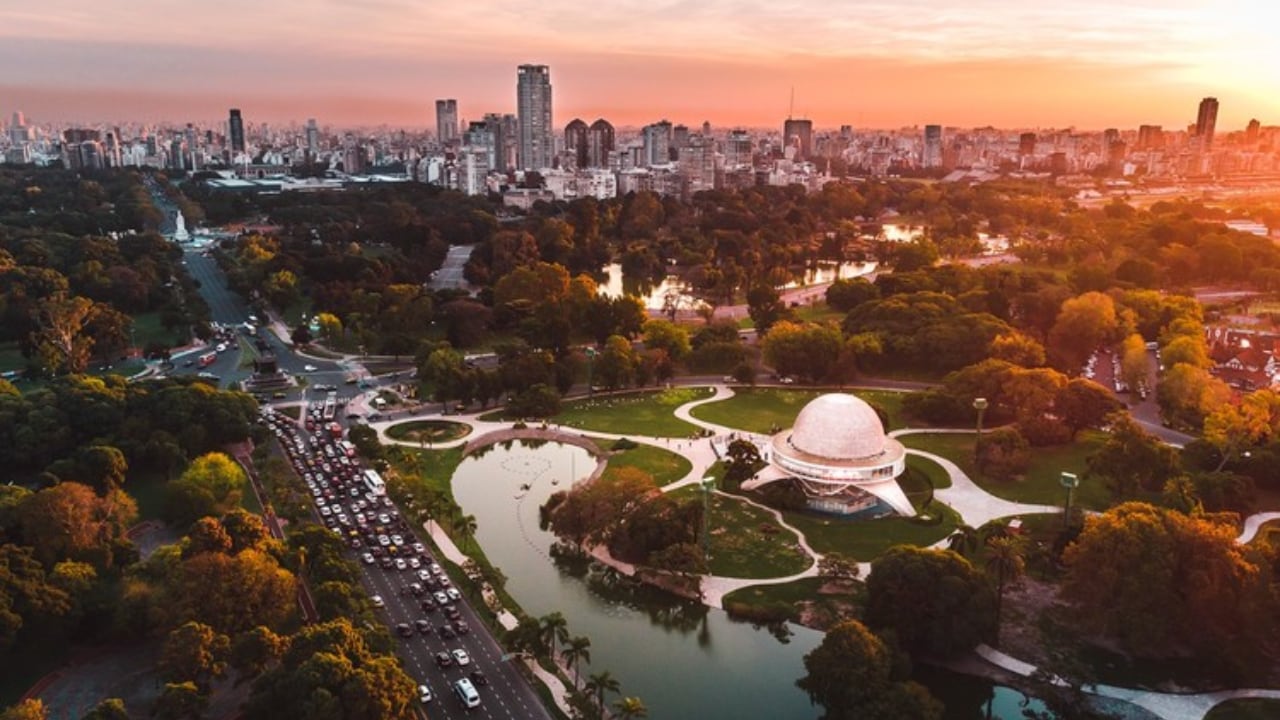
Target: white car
x=453, y=594
x=440, y=597
x=415, y=563
x=383, y=540
x=461, y=657
x=377, y=601
x=419, y=548
x=424, y=694
x=397, y=540
x=309, y=368
x=368, y=558
x=401, y=564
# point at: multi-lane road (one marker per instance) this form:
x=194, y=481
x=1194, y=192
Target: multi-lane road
x=407, y=594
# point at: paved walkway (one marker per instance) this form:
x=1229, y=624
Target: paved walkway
x=1253, y=524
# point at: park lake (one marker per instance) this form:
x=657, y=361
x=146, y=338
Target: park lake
x=683, y=659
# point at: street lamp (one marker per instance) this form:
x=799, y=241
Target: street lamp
x=591, y=356
x=980, y=404
x=708, y=486
x=1070, y=482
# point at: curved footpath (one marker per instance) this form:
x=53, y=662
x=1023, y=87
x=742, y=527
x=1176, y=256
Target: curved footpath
x=975, y=506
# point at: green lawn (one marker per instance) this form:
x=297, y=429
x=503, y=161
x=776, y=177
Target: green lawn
x=426, y=469
x=1249, y=709
x=428, y=431
x=826, y=602
x=747, y=541
x=11, y=357
x=147, y=329
x=760, y=410
x=930, y=469
x=1040, y=485
x=865, y=540
x=665, y=466
x=643, y=413
x=819, y=312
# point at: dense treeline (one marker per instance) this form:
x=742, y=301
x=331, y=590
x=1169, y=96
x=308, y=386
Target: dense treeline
x=79, y=256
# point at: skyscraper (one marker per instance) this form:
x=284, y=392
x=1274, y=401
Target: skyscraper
x=657, y=143
x=1251, y=131
x=1206, y=121
x=798, y=133
x=533, y=106
x=235, y=129
x=505, y=130
x=932, y=156
x=1027, y=144
x=1150, y=137
x=575, y=142
x=446, y=121
x=600, y=139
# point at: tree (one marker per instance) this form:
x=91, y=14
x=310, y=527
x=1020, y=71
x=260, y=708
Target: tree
x=61, y=340
x=1003, y=454
x=601, y=683
x=576, y=650
x=194, y=652
x=630, y=707
x=1233, y=426
x=330, y=327
x=1187, y=394
x=1083, y=324
x=109, y=709
x=1018, y=349
x=179, y=701
x=69, y=521
x=101, y=467
x=845, y=295
x=809, y=351
x=851, y=675
x=254, y=651
x=964, y=540
x=934, y=601
x=1206, y=594
x=211, y=485
x=616, y=365
x=1005, y=561
x=667, y=336
x=554, y=629
x=109, y=328
x=1083, y=403
x=742, y=464
x=29, y=709
x=1134, y=363
x=1131, y=458
x=765, y=306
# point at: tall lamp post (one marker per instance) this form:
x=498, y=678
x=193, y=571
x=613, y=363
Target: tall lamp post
x=1069, y=482
x=708, y=486
x=980, y=404
x=591, y=356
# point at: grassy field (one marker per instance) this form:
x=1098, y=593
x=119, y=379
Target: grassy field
x=1040, y=485
x=819, y=312
x=428, y=431
x=930, y=469
x=147, y=329
x=665, y=466
x=1249, y=709
x=760, y=410
x=426, y=469
x=747, y=541
x=643, y=413
x=865, y=540
x=784, y=601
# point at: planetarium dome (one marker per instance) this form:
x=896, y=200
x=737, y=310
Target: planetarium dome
x=838, y=427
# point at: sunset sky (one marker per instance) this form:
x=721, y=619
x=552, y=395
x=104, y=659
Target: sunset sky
x=878, y=63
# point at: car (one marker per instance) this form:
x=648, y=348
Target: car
x=445, y=632
x=387, y=563
x=416, y=589
x=368, y=558
x=404, y=630
x=415, y=563
x=309, y=368
x=401, y=564
x=453, y=594
x=377, y=601
x=441, y=598
x=428, y=604
x=424, y=694
x=436, y=569
x=787, y=380
x=279, y=395
x=384, y=541
x=189, y=363
x=443, y=659
x=451, y=612
x=423, y=625
x=478, y=677
x=461, y=627
x=222, y=347
x=397, y=540
x=466, y=692
x=384, y=518
x=420, y=548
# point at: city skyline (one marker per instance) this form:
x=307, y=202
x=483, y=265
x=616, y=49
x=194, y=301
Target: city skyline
x=870, y=64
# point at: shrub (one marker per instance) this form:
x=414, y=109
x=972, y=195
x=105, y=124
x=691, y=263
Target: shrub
x=1003, y=454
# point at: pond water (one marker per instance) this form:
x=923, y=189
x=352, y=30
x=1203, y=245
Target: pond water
x=654, y=296
x=683, y=659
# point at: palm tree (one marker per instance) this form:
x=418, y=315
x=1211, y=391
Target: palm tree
x=1004, y=558
x=601, y=683
x=465, y=526
x=631, y=707
x=576, y=650
x=964, y=540
x=554, y=628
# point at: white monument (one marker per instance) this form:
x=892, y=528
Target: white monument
x=180, y=233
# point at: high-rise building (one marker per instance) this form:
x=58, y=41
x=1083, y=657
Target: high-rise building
x=679, y=139
x=1252, y=131
x=657, y=143
x=932, y=156
x=235, y=129
x=19, y=133
x=533, y=108
x=698, y=163
x=446, y=121
x=1207, y=121
x=313, y=137
x=1150, y=137
x=575, y=142
x=600, y=140
x=506, y=132
x=738, y=149
x=798, y=133
x=1027, y=144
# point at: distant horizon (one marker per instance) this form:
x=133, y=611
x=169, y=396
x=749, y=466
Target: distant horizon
x=868, y=63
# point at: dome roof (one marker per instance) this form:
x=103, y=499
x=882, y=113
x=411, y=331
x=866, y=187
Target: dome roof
x=838, y=427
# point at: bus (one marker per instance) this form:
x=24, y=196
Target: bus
x=207, y=359
x=347, y=448
x=330, y=405
x=373, y=481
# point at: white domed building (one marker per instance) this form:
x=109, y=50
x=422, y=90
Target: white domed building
x=838, y=453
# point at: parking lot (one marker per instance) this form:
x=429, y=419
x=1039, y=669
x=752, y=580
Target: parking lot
x=459, y=667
